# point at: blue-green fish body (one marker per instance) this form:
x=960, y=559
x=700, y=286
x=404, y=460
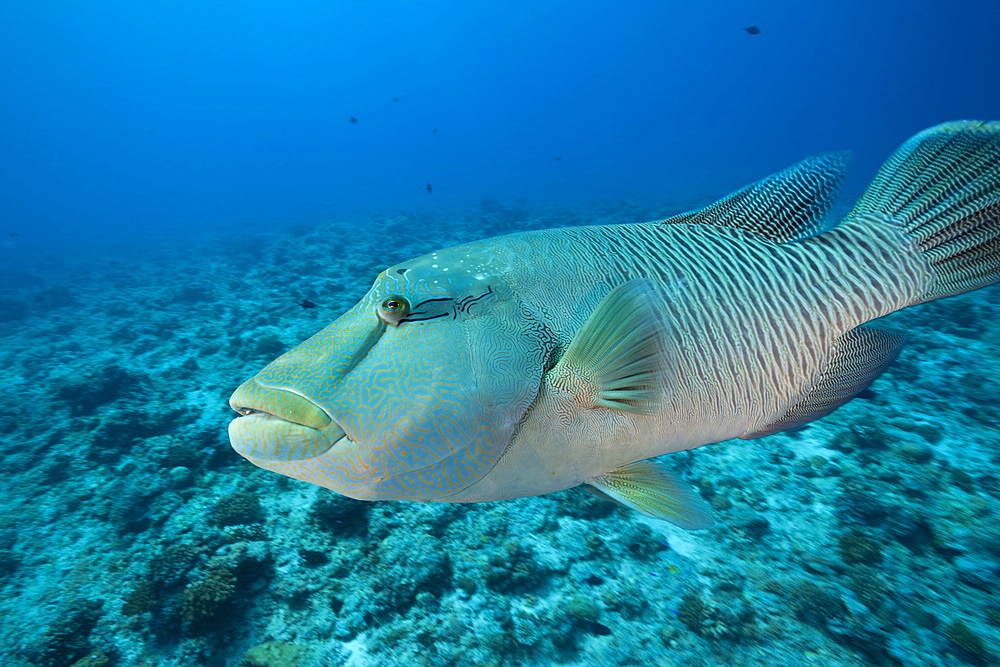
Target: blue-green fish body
x=535, y=362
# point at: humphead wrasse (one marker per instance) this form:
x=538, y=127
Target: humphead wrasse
x=535, y=362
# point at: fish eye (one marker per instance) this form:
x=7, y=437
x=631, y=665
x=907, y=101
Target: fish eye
x=393, y=309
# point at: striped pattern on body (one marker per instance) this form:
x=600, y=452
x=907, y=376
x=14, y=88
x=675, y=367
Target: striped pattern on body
x=760, y=310
x=755, y=321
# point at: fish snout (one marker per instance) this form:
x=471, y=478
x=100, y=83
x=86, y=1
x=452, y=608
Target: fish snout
x=279, y=425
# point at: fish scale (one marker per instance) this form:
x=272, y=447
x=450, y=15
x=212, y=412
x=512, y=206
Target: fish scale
x=535, y=362
x=771, y=310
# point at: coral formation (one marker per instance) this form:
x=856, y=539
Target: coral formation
x=959, y=634
x=274, y=654
x=206, y=597
x=237, y=508
x=131, y=534
x=856, y=548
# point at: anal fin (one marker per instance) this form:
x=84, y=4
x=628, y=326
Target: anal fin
x=649, y=487
x=860, y=356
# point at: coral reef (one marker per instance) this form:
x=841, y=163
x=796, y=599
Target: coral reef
x=236, y=508
x=131, y=534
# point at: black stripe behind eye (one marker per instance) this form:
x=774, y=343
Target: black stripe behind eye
x=464, y=304
x=424, y=319
x=416, y=316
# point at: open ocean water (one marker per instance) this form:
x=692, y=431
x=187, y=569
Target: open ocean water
x=190, y=189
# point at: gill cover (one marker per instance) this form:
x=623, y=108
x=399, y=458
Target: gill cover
x=413, y=394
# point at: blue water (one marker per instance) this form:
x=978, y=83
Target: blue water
x=166, y=118
x=189, y=189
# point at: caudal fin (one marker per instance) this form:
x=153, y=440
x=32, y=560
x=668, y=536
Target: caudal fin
x=943, y=188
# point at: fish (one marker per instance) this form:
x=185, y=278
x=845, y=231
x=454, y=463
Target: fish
x=752, y=30
x=540, y=361
x=428, y=188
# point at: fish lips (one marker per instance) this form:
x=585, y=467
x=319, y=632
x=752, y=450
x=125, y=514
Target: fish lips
x=279, y=425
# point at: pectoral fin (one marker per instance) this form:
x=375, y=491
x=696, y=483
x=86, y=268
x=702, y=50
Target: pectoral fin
x=651, y=488
x=616, y=360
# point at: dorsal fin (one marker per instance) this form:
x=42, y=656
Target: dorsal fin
x=787, y=206
x=861, y=355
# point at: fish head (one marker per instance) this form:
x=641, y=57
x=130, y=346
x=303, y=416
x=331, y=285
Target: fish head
x=413, y=394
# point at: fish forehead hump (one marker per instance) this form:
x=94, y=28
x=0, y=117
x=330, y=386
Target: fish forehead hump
x=457, y=272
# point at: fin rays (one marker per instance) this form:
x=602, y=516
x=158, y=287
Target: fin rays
x=617, y=357
x=787, y=206
x=651, y=488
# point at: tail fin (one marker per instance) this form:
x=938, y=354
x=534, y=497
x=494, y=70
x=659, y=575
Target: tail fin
x=943, y=188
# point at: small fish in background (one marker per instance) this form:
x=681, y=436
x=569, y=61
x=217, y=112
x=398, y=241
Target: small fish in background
x=752, y=30
x=435, y=130
x=535, y=362
x=395, y=99
x=558, y=159
x=14, y=234
x=352, y=120
x=429, y=190
x=307, y=304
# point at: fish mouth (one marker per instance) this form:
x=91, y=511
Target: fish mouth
x=278, y=424
x=253, y=398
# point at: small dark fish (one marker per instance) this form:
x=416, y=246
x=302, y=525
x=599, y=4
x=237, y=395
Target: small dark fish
x=307, y=304
x=354, y=121
x=559, y=159
x=395, y=99
x=594, y=580
x=435, y=130
x=429, y=188
x=595, y=628
x=753, y=30
x=15, y=234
